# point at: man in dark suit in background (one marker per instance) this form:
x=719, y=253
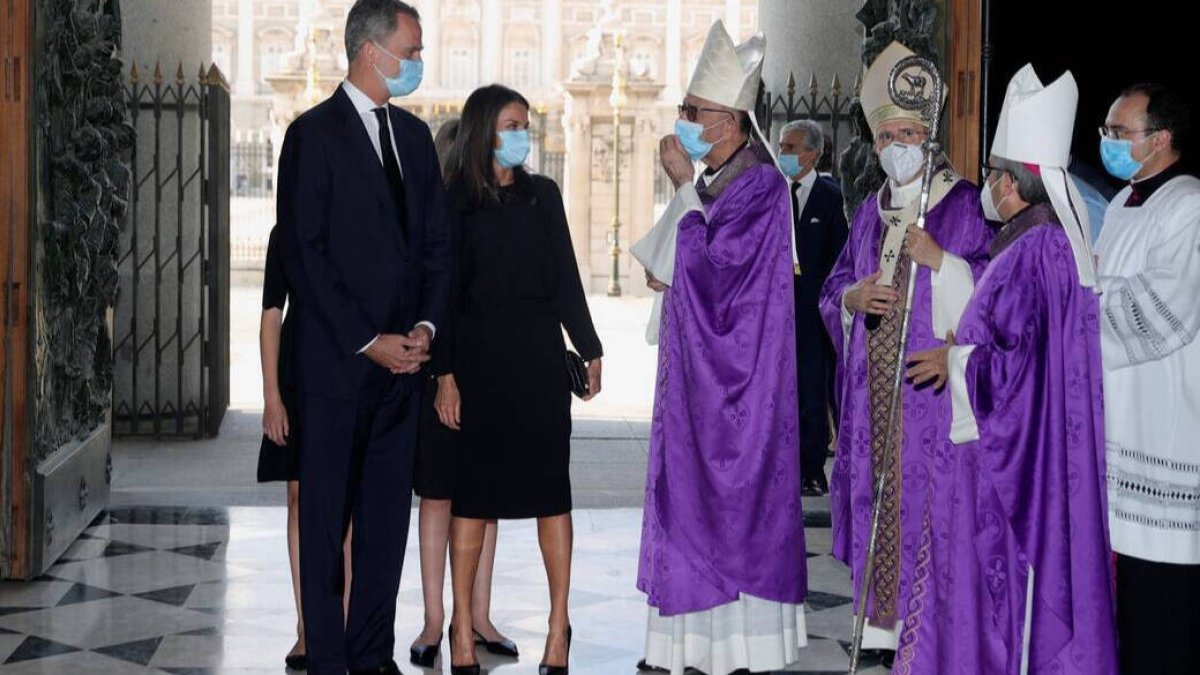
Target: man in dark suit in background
x=362, y=209
x=820, y=223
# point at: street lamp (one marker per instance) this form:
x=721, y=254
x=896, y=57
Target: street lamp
x=617, y=99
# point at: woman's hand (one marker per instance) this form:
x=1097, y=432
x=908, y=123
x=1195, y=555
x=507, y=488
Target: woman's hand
x=593, y=375
x=275, y=420
x=448, y=403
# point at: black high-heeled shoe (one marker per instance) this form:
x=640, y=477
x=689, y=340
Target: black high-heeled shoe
x=296, y=662
x=503, y=647
x=425, y=656
x=544, y=669
x=472, y=669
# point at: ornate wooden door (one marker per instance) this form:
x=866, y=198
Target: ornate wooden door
x=16, y=192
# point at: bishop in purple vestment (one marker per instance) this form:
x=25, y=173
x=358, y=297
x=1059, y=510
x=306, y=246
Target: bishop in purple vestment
x=1013, y=570
x=861, y=304
x=722, y=514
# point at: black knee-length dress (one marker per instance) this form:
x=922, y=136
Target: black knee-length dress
x=517, y=287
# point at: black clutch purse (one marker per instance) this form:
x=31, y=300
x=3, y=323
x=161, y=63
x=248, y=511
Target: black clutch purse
x=577, y=374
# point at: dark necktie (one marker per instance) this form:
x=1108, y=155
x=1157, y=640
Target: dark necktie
x=391, y=167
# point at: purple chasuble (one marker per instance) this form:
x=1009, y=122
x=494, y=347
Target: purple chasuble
x=722, y=514
x=958, y=226
x=1030, y=492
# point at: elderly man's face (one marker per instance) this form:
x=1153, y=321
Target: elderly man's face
x=718, y=121
x=794, y=143
x=906, y=132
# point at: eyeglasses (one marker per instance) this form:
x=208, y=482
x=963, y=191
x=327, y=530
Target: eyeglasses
x=691, y=112
x=907, y=136
x=1120, y=134
x=989, y=170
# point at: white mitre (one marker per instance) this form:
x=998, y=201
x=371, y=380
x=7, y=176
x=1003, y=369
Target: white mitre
x=728, y=74
x=1037, y=122
x=877, y=103
x=1036, y=125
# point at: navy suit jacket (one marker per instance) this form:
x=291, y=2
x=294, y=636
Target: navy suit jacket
x=353, y=273
x=821, y=233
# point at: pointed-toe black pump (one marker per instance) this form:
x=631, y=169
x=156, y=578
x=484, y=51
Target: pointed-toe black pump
x=545, y=669
x=425, y=656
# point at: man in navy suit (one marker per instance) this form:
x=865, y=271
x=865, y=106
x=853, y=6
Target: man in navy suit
x=820, y=223
x=362, y=209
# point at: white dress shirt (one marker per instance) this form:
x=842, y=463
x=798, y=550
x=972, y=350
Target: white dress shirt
x=802, y=189
x=366, y=112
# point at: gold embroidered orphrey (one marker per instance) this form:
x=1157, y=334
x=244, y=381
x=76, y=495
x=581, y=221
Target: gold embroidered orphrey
x=883, y=359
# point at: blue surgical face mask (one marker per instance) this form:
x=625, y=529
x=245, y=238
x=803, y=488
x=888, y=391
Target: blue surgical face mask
x=409, y=78
x=1118, y=158
x=691, y=136
x=790, y=165
x=514, y=148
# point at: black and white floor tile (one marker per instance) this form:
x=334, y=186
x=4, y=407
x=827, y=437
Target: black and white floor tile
x=202, y=591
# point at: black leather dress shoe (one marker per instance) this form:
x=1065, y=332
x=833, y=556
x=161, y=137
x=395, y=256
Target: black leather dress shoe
x=884, y=657
x=812, y=488
x=644, y=667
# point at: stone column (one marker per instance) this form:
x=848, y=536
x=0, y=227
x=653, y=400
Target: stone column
x=551, y=48
x=642, y=175
x=819, y=37
x=578, y=180
x=674, y=51
x=431, y=36
x=244, y=80
x=491, y=40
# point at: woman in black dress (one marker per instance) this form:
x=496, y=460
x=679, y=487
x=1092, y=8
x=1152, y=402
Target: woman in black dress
x=277, y=461
x=433, y=482
x=507, y=390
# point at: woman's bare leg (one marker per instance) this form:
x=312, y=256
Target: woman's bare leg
x=434, y=533
x=555, y=536
x=293, y=541
x=466, y=543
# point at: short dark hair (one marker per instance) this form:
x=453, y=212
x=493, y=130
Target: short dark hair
x=1166, y=109
x=470, y=162
x=373, y=20
x=1030, y=188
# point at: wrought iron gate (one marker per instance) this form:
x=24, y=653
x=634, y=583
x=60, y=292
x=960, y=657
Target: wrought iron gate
x=171, y=322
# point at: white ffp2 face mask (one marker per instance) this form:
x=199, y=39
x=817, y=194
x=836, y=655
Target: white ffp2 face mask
x=902, y=162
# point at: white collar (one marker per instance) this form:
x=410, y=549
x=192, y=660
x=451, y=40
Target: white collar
x=807, y=181
x=902, y=195
x=362, y=103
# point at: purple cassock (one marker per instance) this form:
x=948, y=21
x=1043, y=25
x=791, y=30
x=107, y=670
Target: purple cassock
x=867, y=359
x=722, y=514
x=1030, y=492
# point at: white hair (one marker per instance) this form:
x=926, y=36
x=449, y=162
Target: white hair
x=814, y=138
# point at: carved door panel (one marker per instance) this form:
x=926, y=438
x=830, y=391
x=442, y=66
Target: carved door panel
x=15, y=219
x=965, y=119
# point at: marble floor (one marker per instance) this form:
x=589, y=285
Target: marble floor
x=205, y=590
